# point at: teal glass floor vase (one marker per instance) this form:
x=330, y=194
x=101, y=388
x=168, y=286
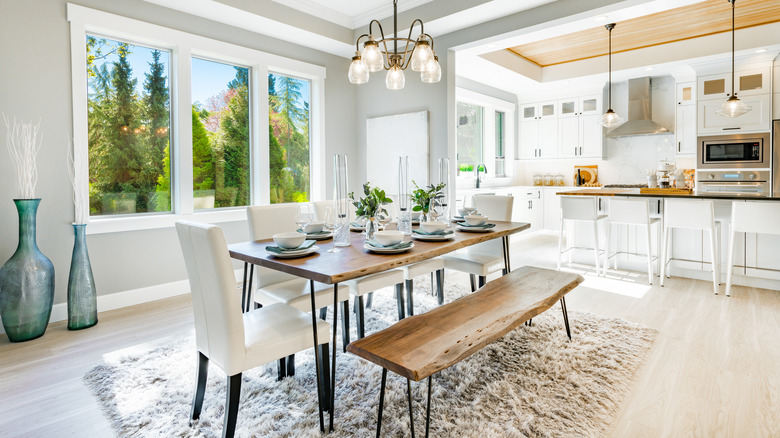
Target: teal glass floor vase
x=82, y=295
x=26, y=281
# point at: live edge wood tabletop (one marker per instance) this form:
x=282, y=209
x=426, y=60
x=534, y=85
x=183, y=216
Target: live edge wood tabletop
x=421, y=345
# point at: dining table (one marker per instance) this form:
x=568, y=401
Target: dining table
x=355, y=261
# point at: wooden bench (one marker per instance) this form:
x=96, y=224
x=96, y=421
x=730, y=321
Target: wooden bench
x=422, y=345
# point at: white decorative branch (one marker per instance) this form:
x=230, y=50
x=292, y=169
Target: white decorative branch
x=23, y=145
x=77, y=168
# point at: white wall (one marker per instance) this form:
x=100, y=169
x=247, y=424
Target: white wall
x=35, y=78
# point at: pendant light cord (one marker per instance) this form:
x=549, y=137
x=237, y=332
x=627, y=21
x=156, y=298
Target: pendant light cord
x=732, y=47
x=395, y=28
x=609, y=28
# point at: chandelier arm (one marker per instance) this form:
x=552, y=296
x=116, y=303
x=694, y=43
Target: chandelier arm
x=430, y=40
x=371, y=27
x=357, y=43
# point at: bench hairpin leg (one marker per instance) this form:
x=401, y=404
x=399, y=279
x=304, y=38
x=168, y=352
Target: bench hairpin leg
x=333, y=359
x=409, y=396
x=428, y=409
x=381, y=402
x=320, y=376
x=565, y=317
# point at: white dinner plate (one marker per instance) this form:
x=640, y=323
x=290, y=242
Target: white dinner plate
x=294, y=254
x=387, y=250
x=458, y=219
x=433, y=237
x=474, y=229
x=327, y=235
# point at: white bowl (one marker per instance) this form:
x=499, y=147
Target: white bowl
x=475, y=219
x=416, y=215
x=314, y=227
x=462, y=212
x=389, y=237
x=433, y=227
x=289, y=240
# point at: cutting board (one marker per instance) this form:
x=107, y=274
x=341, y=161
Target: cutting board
x=669, y=191
x=589, y=174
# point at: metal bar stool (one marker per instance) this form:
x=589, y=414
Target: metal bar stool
x=696, y=215
x=750, y=217
x=632, y=212
x=585, y=209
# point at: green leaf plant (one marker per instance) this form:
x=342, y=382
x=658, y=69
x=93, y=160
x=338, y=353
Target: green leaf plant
x=422, y=197
x=371, y=204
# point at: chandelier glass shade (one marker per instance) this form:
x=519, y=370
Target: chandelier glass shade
x=394, y=54
x=610, y=119
x=732, y=107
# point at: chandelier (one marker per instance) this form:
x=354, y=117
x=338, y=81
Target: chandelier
x=395, y=54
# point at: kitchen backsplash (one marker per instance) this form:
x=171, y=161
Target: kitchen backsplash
x=627, y=159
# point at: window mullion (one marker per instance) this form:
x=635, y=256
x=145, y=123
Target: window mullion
x=182, y=139
x=259, y=155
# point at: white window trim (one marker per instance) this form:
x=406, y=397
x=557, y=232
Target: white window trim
x=490, y=105
x=183, y=46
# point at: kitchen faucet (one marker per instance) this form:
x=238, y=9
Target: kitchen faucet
x=484, y=170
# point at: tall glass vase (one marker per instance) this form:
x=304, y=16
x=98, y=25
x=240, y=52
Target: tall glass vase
x=404, y=209
x=341, y=237
x=26, y=281
x=82, y=295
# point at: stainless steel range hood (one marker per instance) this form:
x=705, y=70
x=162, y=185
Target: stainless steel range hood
x=640, y=111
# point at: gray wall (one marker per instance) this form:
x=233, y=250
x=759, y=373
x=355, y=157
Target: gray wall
x=35, y=83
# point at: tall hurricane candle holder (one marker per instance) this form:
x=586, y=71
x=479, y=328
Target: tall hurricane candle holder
x=404, y=209
x=341, y=235
x=444, y=177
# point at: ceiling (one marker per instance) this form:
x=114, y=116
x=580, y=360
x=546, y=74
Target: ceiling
x=350, y=13
x=687, y=22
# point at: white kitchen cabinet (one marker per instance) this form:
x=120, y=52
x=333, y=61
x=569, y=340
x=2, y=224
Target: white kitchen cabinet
x=590, y=105
x=591, y=137
x=746, y=83
x=528, y=207
x=529, y=140
x=548, y=137
x=685, y=130
x=757, y=120
x=529, y=111
x=552, y=208
x=568, y=107
x=548, y=110
x=539, y=138
x=568, y=136
x=686, y=93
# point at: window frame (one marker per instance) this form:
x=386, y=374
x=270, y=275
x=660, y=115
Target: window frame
x=183, y=46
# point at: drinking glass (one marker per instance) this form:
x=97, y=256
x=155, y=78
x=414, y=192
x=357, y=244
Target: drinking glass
x=331, y=216
x=436, y=209
x=304, y=216
x=468, y=205
x=384, y=216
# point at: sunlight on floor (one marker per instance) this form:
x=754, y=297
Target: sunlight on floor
x=626, y=283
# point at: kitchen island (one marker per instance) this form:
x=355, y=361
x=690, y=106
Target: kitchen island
x=756, y=257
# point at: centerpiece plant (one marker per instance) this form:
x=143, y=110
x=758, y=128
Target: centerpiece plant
x=369, y=206
x=423, y=197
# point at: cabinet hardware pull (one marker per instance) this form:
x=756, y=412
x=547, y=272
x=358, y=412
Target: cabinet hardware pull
x=730, y=129
x=678, y=146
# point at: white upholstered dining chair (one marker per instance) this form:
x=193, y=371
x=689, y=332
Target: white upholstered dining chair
x=484, y=258
x=229, y=338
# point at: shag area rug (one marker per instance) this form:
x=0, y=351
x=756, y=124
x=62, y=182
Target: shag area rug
x=533, y=382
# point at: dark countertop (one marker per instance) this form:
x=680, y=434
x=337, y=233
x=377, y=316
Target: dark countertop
x=694, y=195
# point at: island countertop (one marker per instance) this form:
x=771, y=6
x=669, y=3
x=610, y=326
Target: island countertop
x=694, y=195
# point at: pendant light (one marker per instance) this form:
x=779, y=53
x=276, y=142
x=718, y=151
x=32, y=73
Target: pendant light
x=610, y=119
x=732, y=107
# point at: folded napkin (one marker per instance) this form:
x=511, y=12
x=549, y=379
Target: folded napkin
x=357, y=224
x=435, y=233
x=487, y=225
x=318, y=233
x=401, y=245
x=277, y=250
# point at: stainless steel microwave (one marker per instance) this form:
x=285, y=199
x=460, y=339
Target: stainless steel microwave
x=734, y=151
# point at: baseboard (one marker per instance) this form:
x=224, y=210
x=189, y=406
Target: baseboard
x=118, y=300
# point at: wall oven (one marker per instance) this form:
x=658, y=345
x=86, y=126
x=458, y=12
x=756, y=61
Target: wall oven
x=736, y=151
x=734, y=182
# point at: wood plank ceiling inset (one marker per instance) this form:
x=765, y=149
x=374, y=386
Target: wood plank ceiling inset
x=692, y=21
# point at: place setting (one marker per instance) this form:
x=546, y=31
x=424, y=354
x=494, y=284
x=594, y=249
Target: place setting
x=388, y=242
x=475, y=223
x=291, y=245
x=433, y=232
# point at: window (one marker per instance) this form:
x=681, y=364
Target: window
x=288, y=113
x=220, y=135
x=485, y=127
x=500, y=170
x=128, y=106
x=469, y=136
x=173, y=125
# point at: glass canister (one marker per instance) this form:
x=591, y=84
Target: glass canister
x=548, y=179
x=558, y=179
x=537, y=179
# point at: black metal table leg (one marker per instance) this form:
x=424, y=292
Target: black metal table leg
x=565, y=316
x=244, y=304
x=505, y=244
x=249, y=289
x=428, y=409
x=333, y=360
x=316, y=354
x=381, y=402
x=409, y=397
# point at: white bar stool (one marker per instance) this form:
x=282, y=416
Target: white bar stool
x=750, y=217
x=585, y=209
x=696, y=215
x=632, y=212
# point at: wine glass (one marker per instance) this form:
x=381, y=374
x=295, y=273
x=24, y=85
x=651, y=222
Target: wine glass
x=383, y=216
x=436, y=209
x=468, y=205
x=304, y=216
x=330, y=225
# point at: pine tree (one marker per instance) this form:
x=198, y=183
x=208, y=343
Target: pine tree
x=156, y=111
x=202, y=156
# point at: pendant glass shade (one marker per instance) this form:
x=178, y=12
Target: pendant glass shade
x=432, y=71
x=733, y=107
x=610, y=119
x=422, y=54
x=358, y=72
x=395, y=78
x=372, y=56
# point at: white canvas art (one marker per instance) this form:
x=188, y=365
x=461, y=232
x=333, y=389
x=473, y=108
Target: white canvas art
x=388, y=138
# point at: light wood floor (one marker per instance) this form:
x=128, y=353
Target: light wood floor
x=714, y=370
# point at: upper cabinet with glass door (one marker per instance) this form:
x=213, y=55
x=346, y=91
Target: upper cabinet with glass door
x=746, y=83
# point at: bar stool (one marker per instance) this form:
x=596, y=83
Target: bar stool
x=632, y=212
x=696, y=215
x=750, y=217
x=584, y=209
